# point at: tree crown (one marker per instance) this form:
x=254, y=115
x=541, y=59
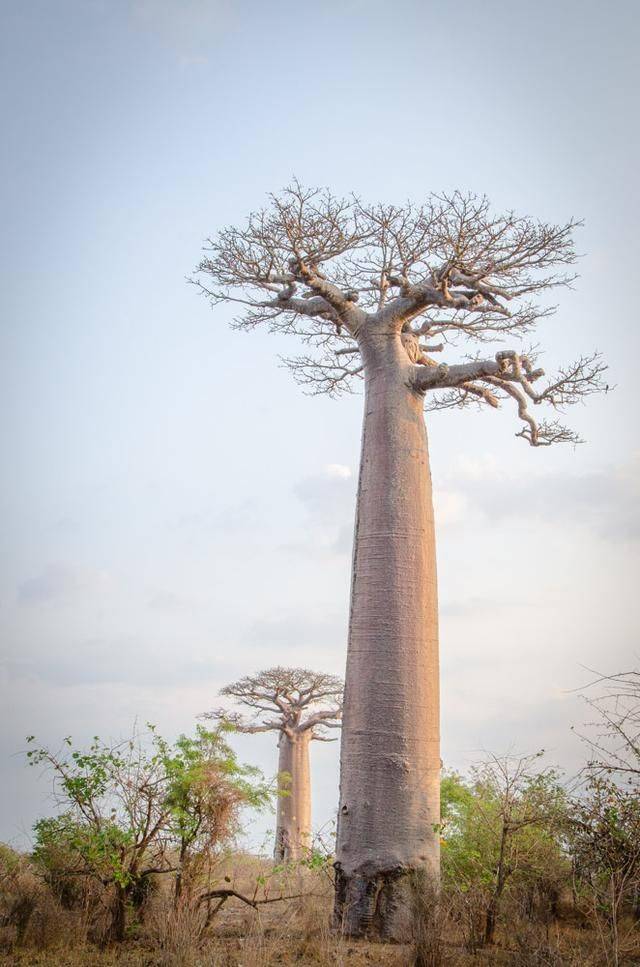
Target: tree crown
x=290, y=700
x=335, y=270
x=128, y=807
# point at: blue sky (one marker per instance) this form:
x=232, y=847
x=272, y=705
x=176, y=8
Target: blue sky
x=175, y=511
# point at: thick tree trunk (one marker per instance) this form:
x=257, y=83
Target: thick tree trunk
x=390, y=757
x=293, y=828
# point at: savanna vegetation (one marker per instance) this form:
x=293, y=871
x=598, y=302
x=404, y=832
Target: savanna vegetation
x=140, y=864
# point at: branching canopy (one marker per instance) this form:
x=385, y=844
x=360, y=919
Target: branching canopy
x=446, y=272
x=290, y=700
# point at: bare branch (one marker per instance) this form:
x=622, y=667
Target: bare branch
x=326, y=374
x=311, y=255
x=616, y=747
x=513, y=375
x=241, y=724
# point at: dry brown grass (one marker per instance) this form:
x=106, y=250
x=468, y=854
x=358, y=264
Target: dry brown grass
x=293, y=932
x=264, y=946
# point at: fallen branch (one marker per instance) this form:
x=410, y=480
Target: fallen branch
x=225, y=895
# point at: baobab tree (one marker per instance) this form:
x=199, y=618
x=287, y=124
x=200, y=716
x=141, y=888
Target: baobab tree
x=378, y=292
x=300, y=705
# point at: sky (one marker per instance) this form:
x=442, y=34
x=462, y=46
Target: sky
x=176, y=513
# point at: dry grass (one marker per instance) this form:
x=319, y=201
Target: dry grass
x=264, y=946
x=291, y=932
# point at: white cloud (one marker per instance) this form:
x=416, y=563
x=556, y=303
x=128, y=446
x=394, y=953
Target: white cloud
x=450, y=507
x=606, y=502
x=329, y=500
x=478, y=468
x=338, y=470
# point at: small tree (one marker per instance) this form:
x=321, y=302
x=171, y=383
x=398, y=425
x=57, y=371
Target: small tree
x=378, y=291
x=206, y=788
x=299, y=705
x=503, y=825
x=604, y=824
x=137, y=808
x=604, y=837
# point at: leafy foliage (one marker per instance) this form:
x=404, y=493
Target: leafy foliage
x=604, y=837
x=140, y=808
x=501, y=829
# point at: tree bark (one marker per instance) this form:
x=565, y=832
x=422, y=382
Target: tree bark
x=390, y=755
x=293, y=828
x=118, y=924
x=490, y=921
x=177, y=892
x=492, y=908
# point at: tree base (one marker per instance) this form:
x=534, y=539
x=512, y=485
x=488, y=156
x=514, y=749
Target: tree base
x=379, y=905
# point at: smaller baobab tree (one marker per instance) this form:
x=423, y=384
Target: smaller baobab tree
x=300, y=705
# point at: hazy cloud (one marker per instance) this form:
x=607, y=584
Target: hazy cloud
x=472, y=606
x=187, y=27
x=449, y=507
x=230, y=520
x=328, y=496
x=605, y=501
x=329, y=500
x=120, y=661
x=169, y=602
x=296, y=630
x=60, y=581
x=337, y=470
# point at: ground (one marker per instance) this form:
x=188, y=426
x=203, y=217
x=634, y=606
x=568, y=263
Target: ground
x=294, y=931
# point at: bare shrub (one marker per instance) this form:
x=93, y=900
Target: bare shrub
x=603, y=826
x=18, y=896
x=427, y=919
x=466, y=907
x=533, y=948
x=31, y=915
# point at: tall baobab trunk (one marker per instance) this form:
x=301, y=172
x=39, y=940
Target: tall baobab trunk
x=390, y=758
x=293, y=828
